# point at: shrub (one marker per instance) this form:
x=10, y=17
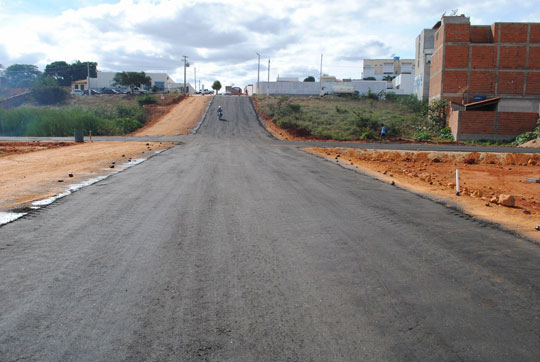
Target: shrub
x=528, y=136
x=127, y=125
x=437, y=114
x=147, y=99
x=446, y=134
x=294, y=107
x=48, y=94
x=134, y=112
x=422, y=136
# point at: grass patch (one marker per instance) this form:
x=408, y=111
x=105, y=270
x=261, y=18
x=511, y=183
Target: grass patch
x=61, y=122
x=347, y=118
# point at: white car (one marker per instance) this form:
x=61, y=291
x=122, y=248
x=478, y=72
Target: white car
x=77, y=92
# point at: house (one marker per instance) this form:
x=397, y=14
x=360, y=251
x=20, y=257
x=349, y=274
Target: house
x=490, y=73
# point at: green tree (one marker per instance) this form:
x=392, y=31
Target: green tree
x=21, y=75
x=79, y=70
x=310, y=79
x=216, y=86
x=132, y=79
x=61, y=71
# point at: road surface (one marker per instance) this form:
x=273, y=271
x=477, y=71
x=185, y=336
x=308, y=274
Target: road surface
x=235, y=247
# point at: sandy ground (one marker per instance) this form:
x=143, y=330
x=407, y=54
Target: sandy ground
x=483, y=176
x=31, y=170
x=534, y=143
x=31, y=176
x=180, y=119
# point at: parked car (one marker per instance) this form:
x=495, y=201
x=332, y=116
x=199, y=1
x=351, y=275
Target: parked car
x=77, y=92
x=109, y=91
x=92, y=92
x=227, y=93
x=137, y=90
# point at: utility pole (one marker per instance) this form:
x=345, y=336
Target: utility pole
x=199, y=85
x=258, y=71
x=320, y=74
x=185, y=66
x=268, y=82
x=195, y=70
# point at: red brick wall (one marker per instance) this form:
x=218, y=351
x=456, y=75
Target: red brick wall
x=457, y=32
x=435, y=85
x=513, y=33
x=535, y=34
x=455, y=81
x=484, y=56
x=477, y=122
x=456, y=56
x=482, y=82
x=534, y=58
x=514, y=123
x=481, y=34
x=512, y=57
x=452, y=120
x=533, y=84
x=511, y=83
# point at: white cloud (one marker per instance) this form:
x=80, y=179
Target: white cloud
x=222, y=37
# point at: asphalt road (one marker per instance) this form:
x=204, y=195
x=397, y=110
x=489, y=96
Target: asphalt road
x=235, y=247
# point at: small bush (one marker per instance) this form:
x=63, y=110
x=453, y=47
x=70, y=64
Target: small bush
x=294, y=107
x=422, y=136
x=446, y=134
x=528, y=136
x=134, y=112
x=147, y=99
x=127, y=125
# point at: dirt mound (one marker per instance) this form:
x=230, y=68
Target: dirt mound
x=534, y=143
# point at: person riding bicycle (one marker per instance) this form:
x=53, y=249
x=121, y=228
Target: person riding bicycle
x=220, y=112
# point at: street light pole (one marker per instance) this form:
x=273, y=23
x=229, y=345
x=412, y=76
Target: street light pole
x=185, y=65
x=268, y=82
x=258, y=71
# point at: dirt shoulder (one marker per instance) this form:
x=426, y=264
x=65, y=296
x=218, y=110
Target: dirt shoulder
x=31, y=176
x=483, y=177
x=179, y=119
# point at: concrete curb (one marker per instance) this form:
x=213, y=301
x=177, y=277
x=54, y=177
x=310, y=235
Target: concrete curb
x=196, y=129
x=260, y=120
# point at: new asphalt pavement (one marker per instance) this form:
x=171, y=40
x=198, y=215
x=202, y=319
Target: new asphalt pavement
x=232, y=246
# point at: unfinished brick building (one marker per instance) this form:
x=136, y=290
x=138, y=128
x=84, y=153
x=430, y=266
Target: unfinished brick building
x=491, y=73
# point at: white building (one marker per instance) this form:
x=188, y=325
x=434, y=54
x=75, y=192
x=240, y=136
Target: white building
x=403, y=84
x=162, y=81
x=290, y=86
x=387, y=69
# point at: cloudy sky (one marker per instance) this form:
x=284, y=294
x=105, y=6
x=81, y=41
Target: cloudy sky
x=221, y=38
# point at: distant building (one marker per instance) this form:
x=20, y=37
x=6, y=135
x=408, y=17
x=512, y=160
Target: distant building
x=161, y=81
x=387, y=69
x=424, y=51
x=329, y=84
x=491, y=73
